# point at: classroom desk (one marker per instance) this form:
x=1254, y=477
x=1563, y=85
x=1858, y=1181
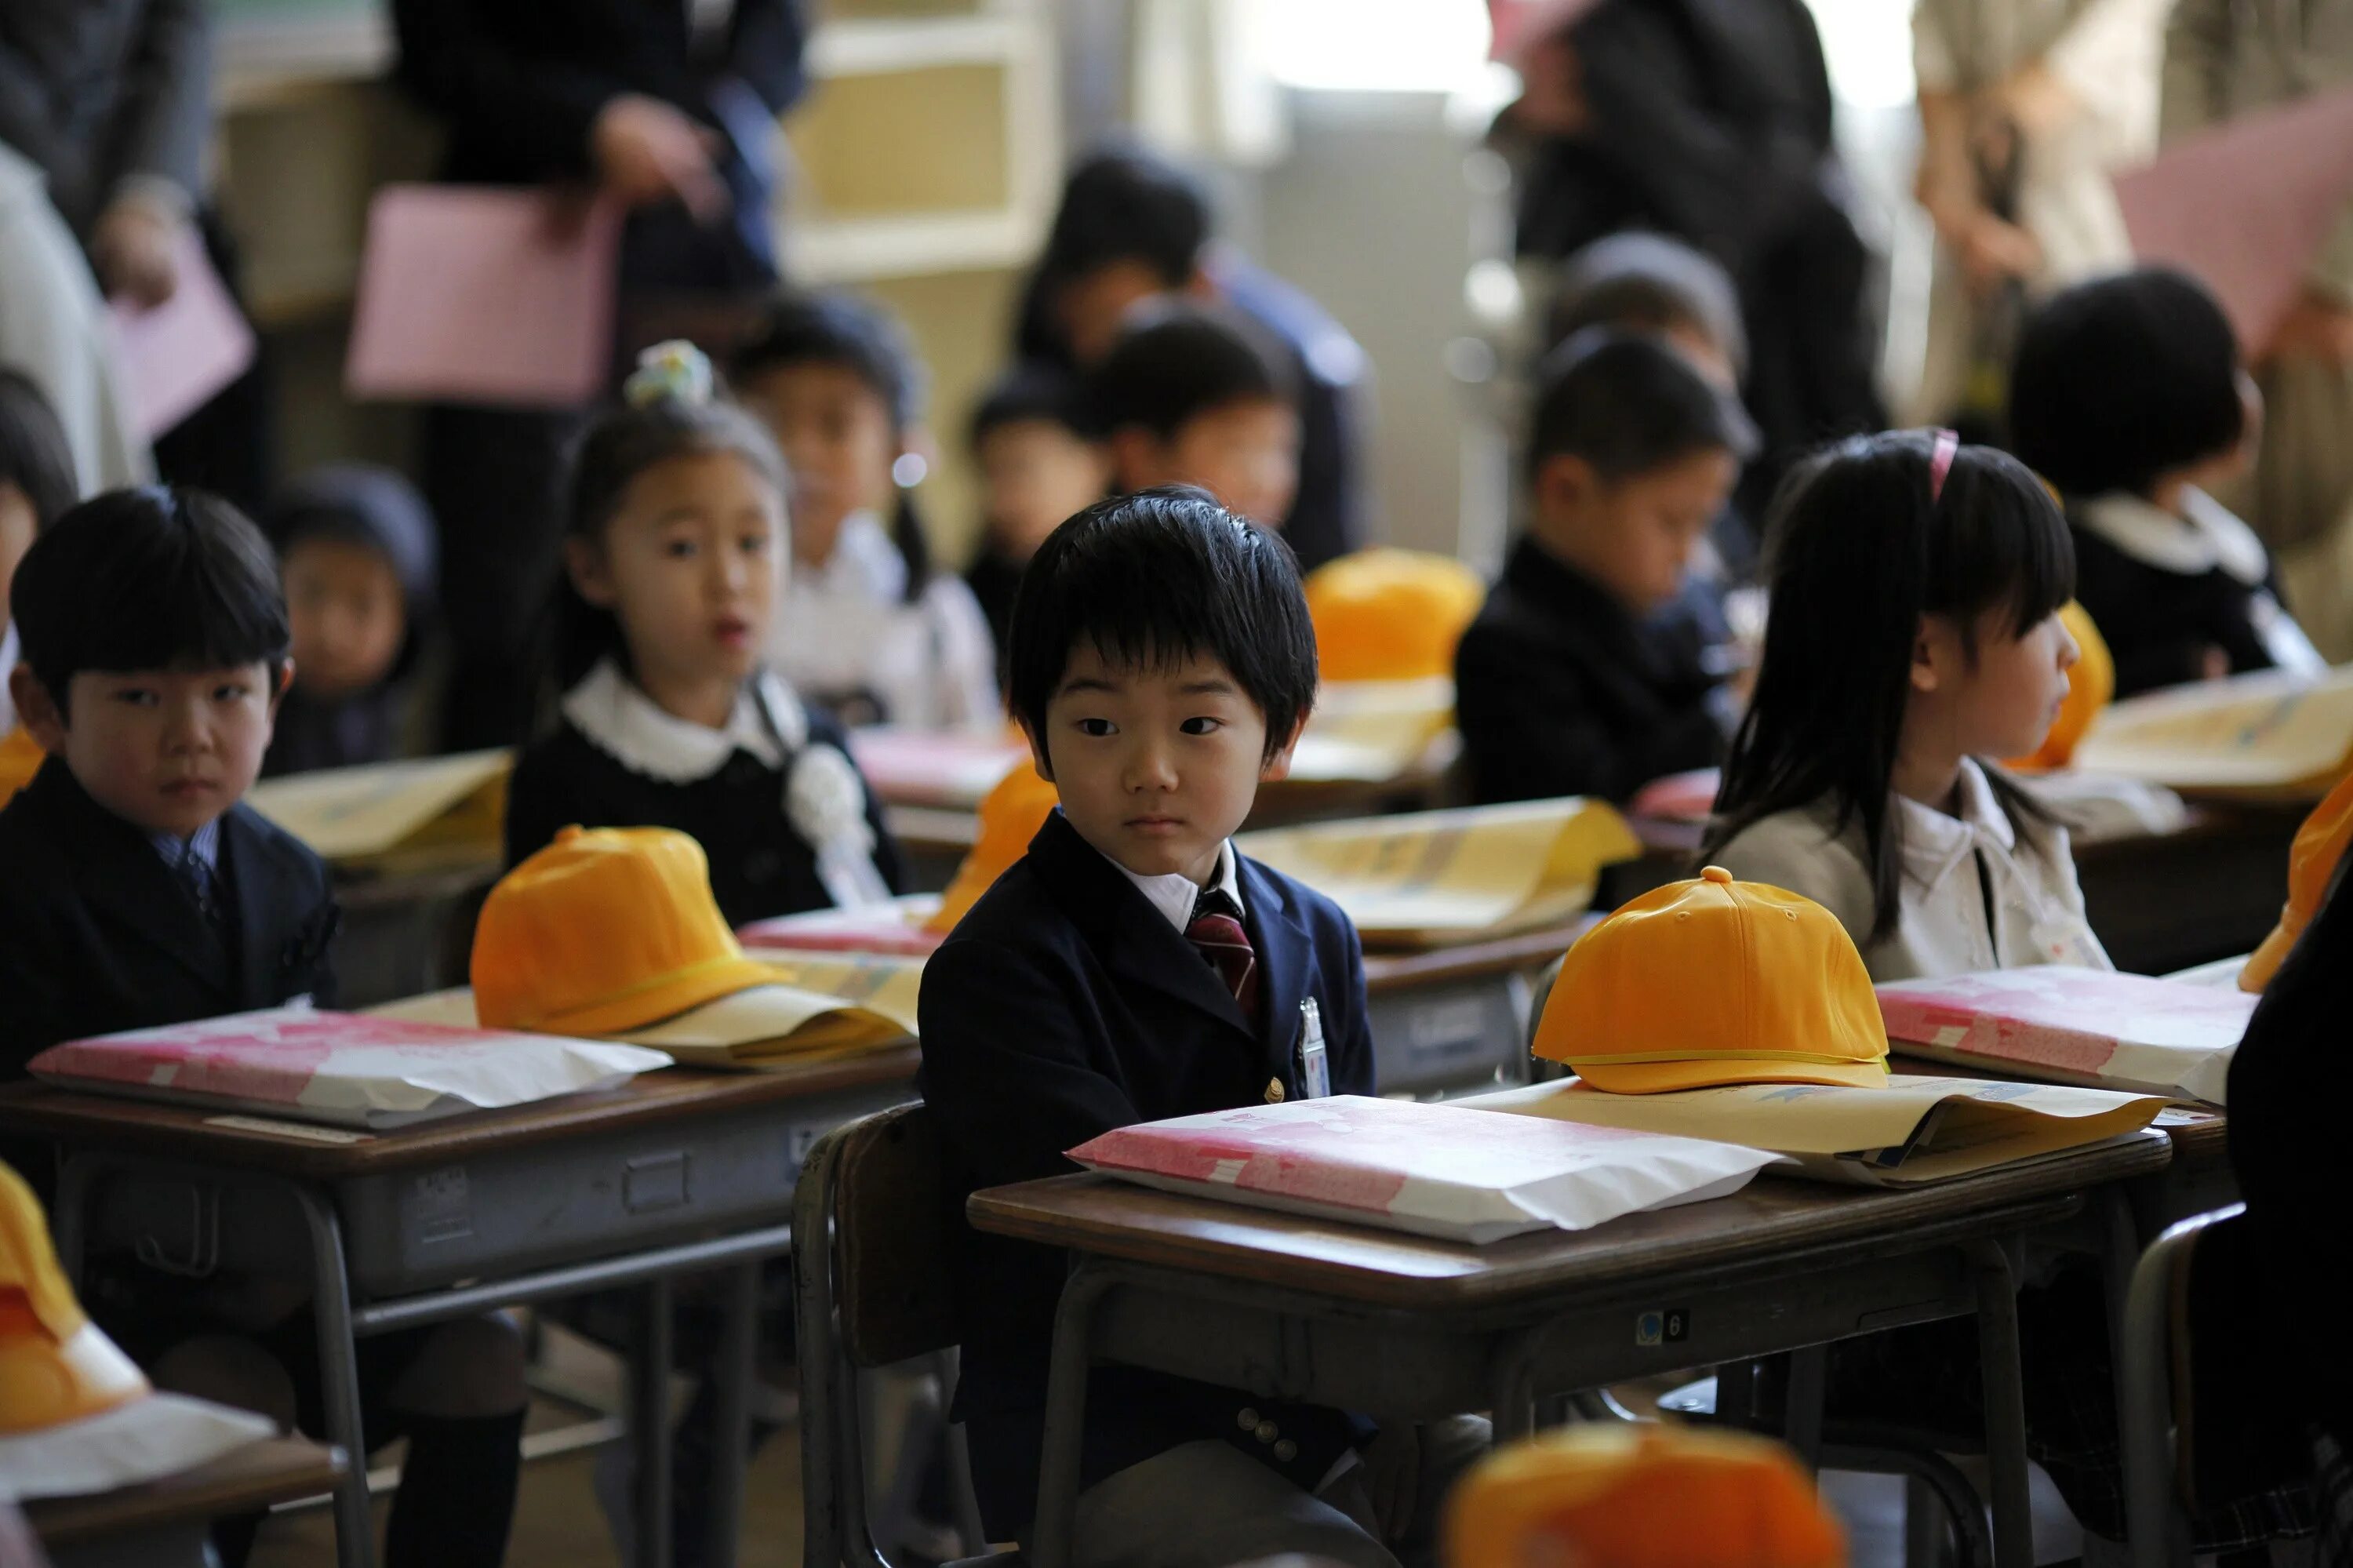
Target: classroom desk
x=676, y=1173
x=1455, y=1020
x=164, y=1524
x=1402, y=1327
x=398, y=932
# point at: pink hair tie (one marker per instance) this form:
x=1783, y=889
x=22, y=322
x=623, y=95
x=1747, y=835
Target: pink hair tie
x=1940, y=462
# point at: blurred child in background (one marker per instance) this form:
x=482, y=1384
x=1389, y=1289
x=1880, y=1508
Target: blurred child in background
x=1037, y=467
x=1190, y=394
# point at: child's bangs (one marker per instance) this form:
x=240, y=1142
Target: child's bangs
x=2005, y=549
x=200, y=617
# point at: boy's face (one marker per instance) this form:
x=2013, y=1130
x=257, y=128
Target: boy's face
x=17, y=526
x=1245, y=453
x=1036, y=473
x=1092, y=307
x=348, y=615
x=1633, y=536
x=167, y=751
x=1156, y=767
x=835, y=432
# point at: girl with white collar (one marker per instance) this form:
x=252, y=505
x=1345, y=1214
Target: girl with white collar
x=675, y=562
x=1915, y=632
x=2127, y=395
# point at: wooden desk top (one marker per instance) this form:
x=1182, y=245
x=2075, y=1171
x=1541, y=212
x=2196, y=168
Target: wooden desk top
x=186, y=1132
x=1767, y=1222
x=1402, y=971
x=275, y=1470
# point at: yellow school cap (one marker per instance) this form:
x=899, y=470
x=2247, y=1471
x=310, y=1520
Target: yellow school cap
x=20, y=758
x=1011, y=815
x=2090, y=686
x=1390, y=615
x=1641, y=1495
x=2311, y=863
x=55, y=1365
x=1713, y=982
x=604, y=931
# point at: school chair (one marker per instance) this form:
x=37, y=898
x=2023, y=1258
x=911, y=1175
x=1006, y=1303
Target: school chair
x=870, y=1225
x=2197, y=1371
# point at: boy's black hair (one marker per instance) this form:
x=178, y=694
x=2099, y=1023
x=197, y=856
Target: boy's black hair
x=1857, y=549
x=1628, y=404
x=1154, y=578
x=621, y=445
x=2121, y=379
x=1638, y=282
x=1178, y=362
x=843, y=329
x=34, y=455
x=150, y=578
x=1121, y=203
x=1029, y=392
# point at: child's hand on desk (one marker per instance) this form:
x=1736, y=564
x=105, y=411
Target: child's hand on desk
x=1393, y=1477
x=647, y=151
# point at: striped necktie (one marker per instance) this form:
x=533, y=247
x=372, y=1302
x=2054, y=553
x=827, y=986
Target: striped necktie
x=1216, y=933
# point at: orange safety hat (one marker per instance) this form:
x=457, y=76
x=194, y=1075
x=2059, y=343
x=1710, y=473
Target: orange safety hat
x=20, y=758
x=1713, y=982
x=55, y=1365
x=2311, y=863
x=1641, y=1496
x=1011, y=815
x=1390, y=615
x=605, y=931
x=2090, y=686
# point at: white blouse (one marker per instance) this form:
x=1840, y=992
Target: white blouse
x=847, y=633
x=1954, y=868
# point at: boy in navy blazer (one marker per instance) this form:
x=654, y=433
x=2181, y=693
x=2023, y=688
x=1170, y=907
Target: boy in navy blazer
x=1130, y=967
x=138, y=890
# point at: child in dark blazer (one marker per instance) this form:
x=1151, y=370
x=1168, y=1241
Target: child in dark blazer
x=140, y=890
x=1134, y=967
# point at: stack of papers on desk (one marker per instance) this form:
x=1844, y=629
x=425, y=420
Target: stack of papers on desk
x=344, y=1069
x=395, y=818
x=950, y=768
x=1911, y=1133
x=1373, y=732
x=1429, y=878
x=1430, y=1170
x=2068, y=1025
x=882, y=983
x=150, y=1439
x=766, y=1025
x=2270, y=734
x=896, y=928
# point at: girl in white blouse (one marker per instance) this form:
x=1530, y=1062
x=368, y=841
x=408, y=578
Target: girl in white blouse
x=1914, y=631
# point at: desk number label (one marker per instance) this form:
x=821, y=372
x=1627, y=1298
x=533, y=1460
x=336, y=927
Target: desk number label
x=1662, y=1326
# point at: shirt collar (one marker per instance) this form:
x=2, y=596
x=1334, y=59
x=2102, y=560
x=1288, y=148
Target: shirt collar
x=1174, y=894
x=203, y=845
x=1932, y=839
x=865, y=564
x=647, y=738
x=2206, y=536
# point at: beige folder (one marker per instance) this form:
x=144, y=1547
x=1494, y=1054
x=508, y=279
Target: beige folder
x=1430, y=878
x=764, y=1025
x=1910, y=1133
x=1371, y=732
x=395, y=817
x=2266, y=736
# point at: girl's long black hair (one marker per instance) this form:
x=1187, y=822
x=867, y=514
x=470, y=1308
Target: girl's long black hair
x=1858, y=550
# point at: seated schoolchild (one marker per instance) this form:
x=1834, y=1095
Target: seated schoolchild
x=1190, y=394
x=1595, y=666
x=140, y=890
x=675, y=565
x=1036, y=467
x=358, y=552
x=37, y=483
x=1134, y=966
x=2127, y=395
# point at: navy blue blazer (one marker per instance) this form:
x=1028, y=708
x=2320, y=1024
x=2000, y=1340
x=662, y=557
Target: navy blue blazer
x=1065, y=1005
x=97, y=935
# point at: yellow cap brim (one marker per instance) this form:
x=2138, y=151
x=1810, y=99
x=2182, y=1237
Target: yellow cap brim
x=1722, y=1072
x=648, y=1004
x=2265, y=961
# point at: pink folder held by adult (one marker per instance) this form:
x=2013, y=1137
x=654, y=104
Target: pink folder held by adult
x=1517, y=26
x=174, y=357
x=485, y=295
x=2245, y=206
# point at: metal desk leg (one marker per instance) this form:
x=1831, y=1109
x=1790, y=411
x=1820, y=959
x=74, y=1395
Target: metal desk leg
x=2005, y=1404
x=737, y=1368
x=1066, y=1417
x=650, y=1369
x=339, y=1375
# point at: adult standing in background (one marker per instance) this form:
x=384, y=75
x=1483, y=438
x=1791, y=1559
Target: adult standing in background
x=2026, y=107
x=672, y=107
x=1710, y=121
x=2228, y=57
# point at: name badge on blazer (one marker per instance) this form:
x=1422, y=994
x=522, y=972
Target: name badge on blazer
x=1314, y=1066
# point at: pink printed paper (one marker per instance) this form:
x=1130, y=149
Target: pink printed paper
x=2074, y=1025
x=896, y=928
x=1433, y=1170
x=949, y=768
x=1518, y=24
x=485, y=295
x=174, y=357
x=1678, y=797
x=352, y=1069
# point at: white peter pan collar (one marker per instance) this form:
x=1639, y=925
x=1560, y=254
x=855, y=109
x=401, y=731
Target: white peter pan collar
x=1174, y=894
x=1932, y=841
x=2206, y=536
x=645, y=737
